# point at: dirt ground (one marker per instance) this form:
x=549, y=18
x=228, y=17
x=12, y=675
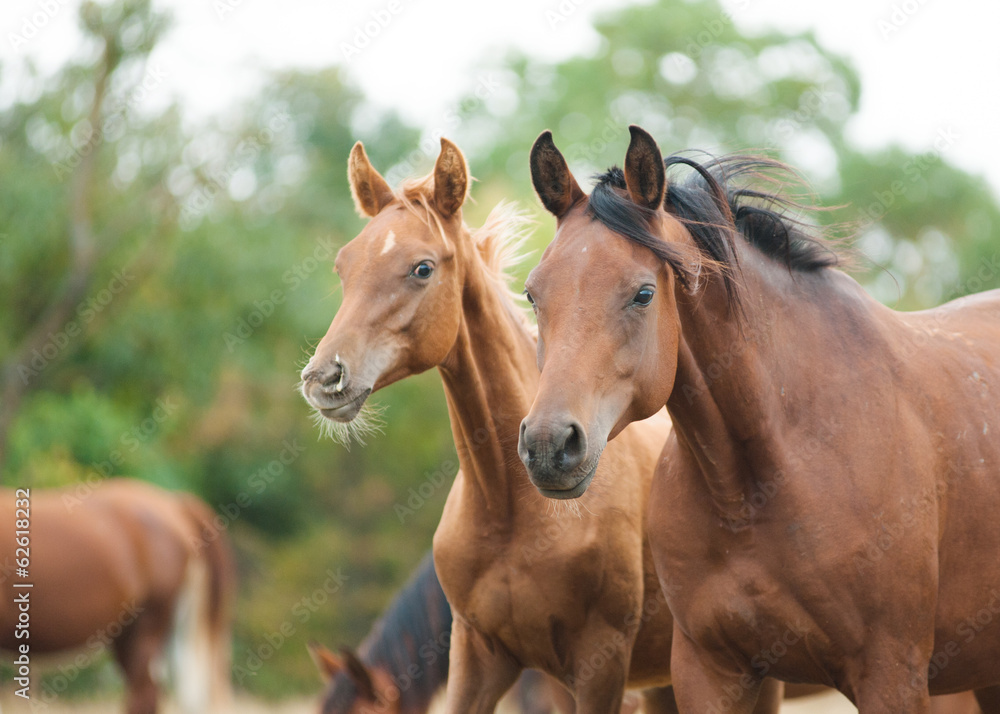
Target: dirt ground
x=12, y=705
x=824, y=704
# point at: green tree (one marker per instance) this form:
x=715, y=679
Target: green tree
x=687, y=74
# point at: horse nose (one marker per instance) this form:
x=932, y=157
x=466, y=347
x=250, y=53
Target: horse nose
x=551, y=452
x=330, y=376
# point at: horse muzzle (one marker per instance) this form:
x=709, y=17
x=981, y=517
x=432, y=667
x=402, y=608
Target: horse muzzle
x=331, y=392
x=555, y=456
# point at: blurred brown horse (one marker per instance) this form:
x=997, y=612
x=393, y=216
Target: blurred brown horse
x=826, y=508
x=127, y=567
x=570, y=591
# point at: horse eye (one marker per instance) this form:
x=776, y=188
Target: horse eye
x=531, y=300
x=422, y=270
x=643, y=297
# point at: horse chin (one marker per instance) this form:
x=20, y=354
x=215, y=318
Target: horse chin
x=347, y=412
x=574, y=491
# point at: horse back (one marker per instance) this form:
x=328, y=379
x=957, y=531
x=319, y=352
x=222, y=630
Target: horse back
x=98, y=560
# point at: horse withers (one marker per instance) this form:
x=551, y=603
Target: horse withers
x=826, y=508
x=126, y=568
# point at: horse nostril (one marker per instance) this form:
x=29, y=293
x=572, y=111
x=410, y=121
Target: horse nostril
x=526, y=447
x=336, y=378
x=573, y=449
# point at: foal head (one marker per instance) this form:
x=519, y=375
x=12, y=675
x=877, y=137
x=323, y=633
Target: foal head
x=607, y=319
x=402, y=286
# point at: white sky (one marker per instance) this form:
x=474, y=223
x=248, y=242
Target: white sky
x=938, y=70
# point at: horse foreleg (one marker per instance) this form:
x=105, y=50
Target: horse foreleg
x=601, y=660
x=702, y=685
x=893, y=678
x=479, y=672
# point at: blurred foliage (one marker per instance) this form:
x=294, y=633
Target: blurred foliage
x=215, y=244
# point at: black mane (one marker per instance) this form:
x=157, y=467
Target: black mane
x=414, y=630
x=715, y=204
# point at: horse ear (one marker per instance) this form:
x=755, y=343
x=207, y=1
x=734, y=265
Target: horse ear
x=370, y=191
x=550, y=174
x=645, y=177
x=328, y=664
x=451, y=178
x=359, y=674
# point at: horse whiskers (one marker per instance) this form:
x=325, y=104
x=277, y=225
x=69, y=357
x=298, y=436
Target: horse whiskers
x=558, y=509
x=369, y=421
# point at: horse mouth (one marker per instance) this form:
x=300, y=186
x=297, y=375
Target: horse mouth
x=570, y=492
x=345, y=412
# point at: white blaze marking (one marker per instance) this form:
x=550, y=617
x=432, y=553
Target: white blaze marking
x=390, y=242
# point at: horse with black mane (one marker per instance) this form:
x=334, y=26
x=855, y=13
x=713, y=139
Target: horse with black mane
x=826, y=507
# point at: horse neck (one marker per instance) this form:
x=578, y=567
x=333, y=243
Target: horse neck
x=490, y=378
x=726, y=402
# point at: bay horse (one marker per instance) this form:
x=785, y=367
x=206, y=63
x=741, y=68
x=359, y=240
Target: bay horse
x=826, y=506
x=122, y=567
x=402, y=664
x=570, y=592
x=403, y=661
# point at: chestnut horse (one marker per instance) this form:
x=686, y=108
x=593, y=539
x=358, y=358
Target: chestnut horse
x=124, y=567
x=826, y=507
x=572, y=593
